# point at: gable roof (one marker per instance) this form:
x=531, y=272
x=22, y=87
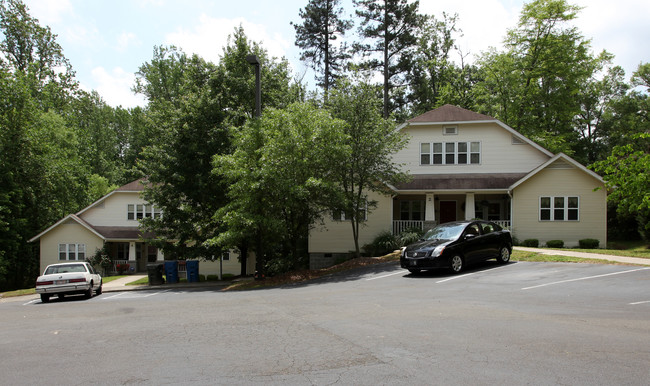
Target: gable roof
x=450, y=113
x=453, y=182
x=102, y=232
x=71, y=217
x=559, y=156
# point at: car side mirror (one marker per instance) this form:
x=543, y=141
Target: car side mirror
x=469, y=236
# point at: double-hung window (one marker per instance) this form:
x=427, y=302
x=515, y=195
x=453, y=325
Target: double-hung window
x=140, y=211
x=450, y=153
x=72, y=251
x=559, y=208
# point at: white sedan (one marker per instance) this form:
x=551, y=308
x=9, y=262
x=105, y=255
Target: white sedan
x=68, y=279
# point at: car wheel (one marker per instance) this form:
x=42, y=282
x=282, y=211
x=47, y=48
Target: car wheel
x=456, y=264
x=45, y=298
x=89, y=292
x=504, y=255
x=414, y=271
x=99, y=290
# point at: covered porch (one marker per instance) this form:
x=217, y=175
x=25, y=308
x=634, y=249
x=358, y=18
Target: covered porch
x=428, y=200
x=132, y=256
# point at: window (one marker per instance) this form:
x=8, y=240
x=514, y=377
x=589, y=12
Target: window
x=72, y=251
x=140, y=211
x=425, y=153
x=225, y=256
x=411, y=210
x=340, y=215
x=559, y=208
x=450, y=153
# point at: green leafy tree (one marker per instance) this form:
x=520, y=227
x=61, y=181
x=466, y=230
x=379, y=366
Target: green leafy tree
x=432, y=71
x=627, y=174
x=532, y=86
x=391, y=27
x=279, y=179
x=372, y=142
x=42, y=177
x=322, y=25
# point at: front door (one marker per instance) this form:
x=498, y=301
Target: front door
x=447, y=211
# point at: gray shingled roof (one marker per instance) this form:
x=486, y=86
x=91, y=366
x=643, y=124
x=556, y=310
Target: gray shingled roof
x=461, y=181
x=450, y=113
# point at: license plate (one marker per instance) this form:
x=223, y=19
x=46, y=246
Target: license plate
x=60, y=281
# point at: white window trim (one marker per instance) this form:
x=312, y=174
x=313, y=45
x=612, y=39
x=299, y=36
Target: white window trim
x=72, y=250
x=552, y=209
x=135, y=212
x=344, y=218
x=432, y=153
x=454, y=130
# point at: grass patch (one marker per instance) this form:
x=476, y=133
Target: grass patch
x=538, y=257
x=11, y=294
x=108, y=279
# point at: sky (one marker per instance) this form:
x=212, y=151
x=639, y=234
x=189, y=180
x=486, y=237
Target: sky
x=107, y=41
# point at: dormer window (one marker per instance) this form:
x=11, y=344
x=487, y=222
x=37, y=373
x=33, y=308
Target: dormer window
x=450, y=130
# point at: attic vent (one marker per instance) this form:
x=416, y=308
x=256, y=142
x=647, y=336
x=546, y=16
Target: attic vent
x=450, y=130
x=517, y=141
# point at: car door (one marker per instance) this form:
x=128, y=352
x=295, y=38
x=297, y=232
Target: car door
x=491, y=239
x=471, y=243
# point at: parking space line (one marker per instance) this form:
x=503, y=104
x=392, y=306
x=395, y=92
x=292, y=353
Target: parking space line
x=113, y=296
x=471, y=273
x=585, y=278
x=30, y=302
x=637, y=303
x=383, y=276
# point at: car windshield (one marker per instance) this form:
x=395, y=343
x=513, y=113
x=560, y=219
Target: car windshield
x=64, y=268
x=444, y=232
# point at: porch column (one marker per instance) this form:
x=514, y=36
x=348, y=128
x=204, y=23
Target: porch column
x=470, y=212
x=430, y=206
x=133, y=257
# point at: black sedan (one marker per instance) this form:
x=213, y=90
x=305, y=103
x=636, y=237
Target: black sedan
x=455, y=244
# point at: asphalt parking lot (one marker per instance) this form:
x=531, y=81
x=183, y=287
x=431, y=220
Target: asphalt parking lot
x=520, y=323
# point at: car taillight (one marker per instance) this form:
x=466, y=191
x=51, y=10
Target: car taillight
x=49, y=282
x=82, y=280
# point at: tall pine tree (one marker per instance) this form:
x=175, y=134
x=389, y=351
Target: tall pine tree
x=391, y=28
x=321, y=27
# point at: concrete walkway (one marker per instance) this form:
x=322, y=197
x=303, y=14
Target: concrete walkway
x=585, y=255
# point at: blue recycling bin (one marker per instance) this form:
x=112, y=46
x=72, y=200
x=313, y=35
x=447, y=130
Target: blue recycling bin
x=192, y=267
x=171, y=271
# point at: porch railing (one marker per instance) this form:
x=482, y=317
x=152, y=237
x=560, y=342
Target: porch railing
x=400, y=226
x=504, y=223
x=118, y=262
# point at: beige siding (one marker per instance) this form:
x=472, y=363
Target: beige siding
x=113, y=210
x=498, y=153
x=69, y=232
x=336, y=236
x=560, y=182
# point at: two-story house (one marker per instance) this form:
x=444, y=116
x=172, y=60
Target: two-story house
x=113, y=220
x=466, y=165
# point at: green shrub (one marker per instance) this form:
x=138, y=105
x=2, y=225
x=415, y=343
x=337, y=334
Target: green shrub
x=555, y=244
x=201, y=277
x=589, y=243
x=386, y=242
x=212, y=277
x=410, y=235
x=532, y=243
